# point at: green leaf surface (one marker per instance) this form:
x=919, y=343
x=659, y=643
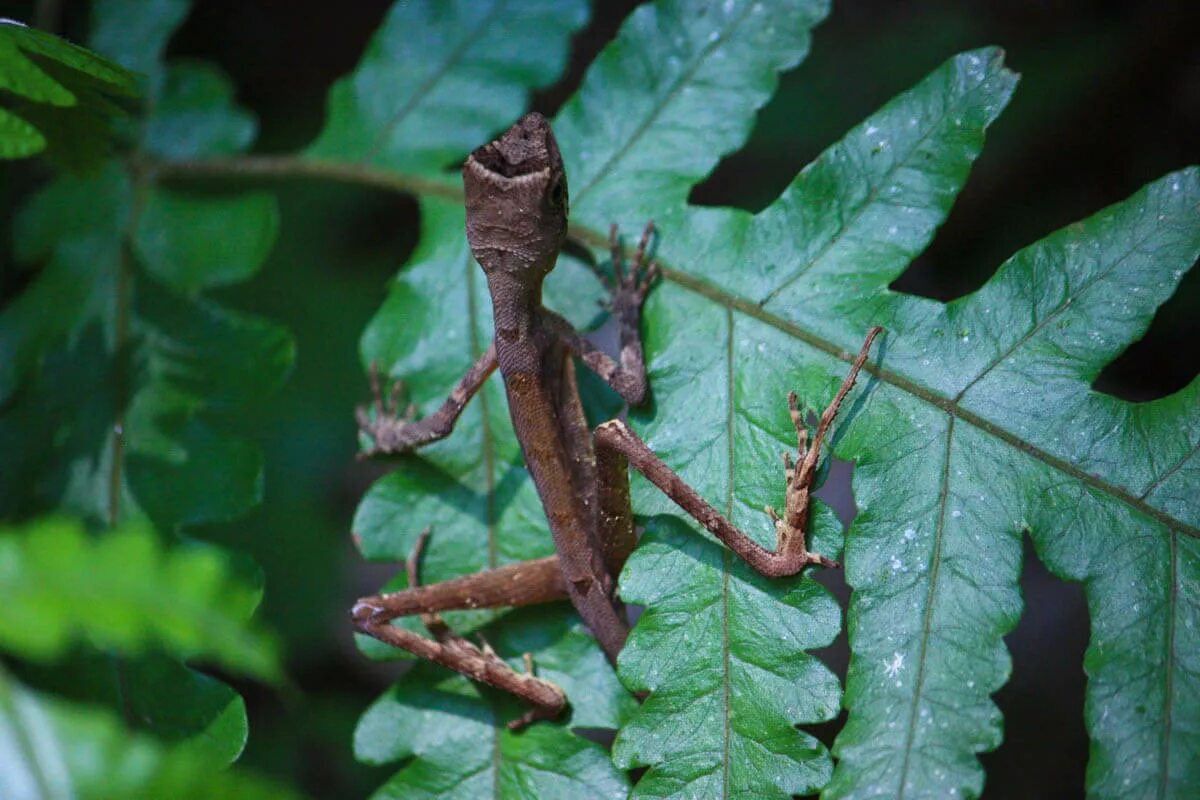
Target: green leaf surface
x=418, y=103
x=153, y=693
x=950, y=468
x=135, y=33
x=53, y=750
x=58, y=96
x=725, y=669
x=676, y=90
x=451, y=735
x=18, y=138
x=125, y=593
x=193, y=243
x=472, y=489
x=195, y=114
x=22, y=76
x=158, y=364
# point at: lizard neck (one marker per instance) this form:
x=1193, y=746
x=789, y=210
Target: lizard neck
x=516, y=301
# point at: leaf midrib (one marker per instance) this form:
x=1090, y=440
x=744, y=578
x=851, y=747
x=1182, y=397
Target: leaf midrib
x=430, y=82
x=661, y=103
x=727, y=683
x=1164, y=773
x=935, y=563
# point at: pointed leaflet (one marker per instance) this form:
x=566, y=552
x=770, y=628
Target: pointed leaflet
x=116, y=370
x=419, y=102
x=63, y=96
x=451, y=732
x=675, y=91
x=975, y=468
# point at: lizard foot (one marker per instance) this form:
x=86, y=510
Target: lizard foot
x=633, y=281
x=798, y=479
x=388, y=427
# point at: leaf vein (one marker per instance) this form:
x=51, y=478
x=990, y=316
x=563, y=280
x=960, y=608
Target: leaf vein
x=725, y=561
x=290, y=167
x=949, y=406
x=1161, y=479
x=927, y=621
x=1071, y=297
x=871, y=199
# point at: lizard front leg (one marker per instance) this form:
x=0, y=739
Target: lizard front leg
x=629, y=287
x=393, y=432
x=530, y=582
x=791, y=554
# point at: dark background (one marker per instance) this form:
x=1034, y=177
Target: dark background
x=1109, y=100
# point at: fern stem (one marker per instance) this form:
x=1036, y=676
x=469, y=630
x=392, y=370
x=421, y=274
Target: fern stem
x=295, y=166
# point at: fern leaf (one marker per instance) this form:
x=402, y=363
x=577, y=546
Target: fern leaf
x=60, y=97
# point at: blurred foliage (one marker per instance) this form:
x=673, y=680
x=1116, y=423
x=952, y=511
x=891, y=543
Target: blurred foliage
x=118, y=378
x=60, y=97
x=122, y=593
x=127, y=598
x=50, y=749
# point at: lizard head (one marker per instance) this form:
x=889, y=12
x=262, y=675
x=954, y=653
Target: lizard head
x=516, y=197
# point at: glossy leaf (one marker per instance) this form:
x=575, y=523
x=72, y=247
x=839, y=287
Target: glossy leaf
x=472, y=489
x=977, y=423
x=950, y=469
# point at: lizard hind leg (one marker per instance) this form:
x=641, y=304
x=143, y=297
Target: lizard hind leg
x=799, y=477
x=373, y=615
x=791, y=554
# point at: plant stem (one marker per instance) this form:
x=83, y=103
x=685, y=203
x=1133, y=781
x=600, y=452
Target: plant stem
x=293, y=166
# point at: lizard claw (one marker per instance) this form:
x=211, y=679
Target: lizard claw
x=386, y=426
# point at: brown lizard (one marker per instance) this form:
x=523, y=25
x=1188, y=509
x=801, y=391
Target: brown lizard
x=516, y=203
